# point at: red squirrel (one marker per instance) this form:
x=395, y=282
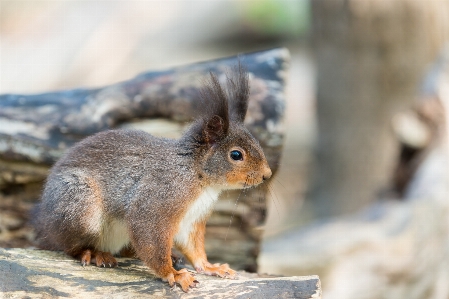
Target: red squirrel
x=125, y=188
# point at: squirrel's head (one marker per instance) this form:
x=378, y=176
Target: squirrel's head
x=230, y=156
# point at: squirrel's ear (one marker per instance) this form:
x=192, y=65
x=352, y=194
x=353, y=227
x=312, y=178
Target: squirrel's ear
x=238, y=93
x=215, y=114
x=214, y=130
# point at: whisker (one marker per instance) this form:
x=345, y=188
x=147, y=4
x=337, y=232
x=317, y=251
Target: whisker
x=260, y=193
x=273, y=196
x=279, y=182
x=235, y=208
x=241, y=219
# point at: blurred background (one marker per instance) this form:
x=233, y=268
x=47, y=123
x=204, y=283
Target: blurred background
x=360, y=195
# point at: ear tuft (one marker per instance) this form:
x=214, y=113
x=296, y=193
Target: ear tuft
x=238, y=93
x=214, y=130
x=214, y=110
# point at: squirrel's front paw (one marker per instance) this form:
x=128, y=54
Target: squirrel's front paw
x=222, y=271
x=183, y=278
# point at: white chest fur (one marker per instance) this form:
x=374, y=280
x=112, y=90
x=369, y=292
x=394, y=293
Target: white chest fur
x=199, y=209
x=114, y=236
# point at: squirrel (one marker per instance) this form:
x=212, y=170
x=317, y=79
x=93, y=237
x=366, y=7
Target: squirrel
x=126, y=188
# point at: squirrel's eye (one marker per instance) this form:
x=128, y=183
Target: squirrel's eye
x=236, y=155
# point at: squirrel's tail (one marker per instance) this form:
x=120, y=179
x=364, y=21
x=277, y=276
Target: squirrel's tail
x=35, y=220
x=33, y=215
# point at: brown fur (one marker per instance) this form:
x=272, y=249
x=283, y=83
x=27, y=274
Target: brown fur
x=127, y=189
x=96, y=205
x=195, y=253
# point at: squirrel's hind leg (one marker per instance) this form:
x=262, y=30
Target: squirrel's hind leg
x=100, y=258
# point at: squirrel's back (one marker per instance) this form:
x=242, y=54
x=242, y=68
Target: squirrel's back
x=114, y=146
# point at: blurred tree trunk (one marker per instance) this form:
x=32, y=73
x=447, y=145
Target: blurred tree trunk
x=370, y=56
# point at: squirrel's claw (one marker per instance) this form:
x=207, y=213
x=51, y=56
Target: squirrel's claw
x=86, y=257
x=222, y=271
x=183, y=278
x=101, y=259
x=104, y=259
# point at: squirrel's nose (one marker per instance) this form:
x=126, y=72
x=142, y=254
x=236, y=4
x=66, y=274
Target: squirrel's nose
x=266, y=173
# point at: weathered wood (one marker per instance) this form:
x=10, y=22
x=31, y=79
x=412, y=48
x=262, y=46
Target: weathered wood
x=38, y=128
x=35, y=130
x=45, y=274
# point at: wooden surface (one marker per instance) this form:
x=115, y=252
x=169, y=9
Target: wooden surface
x=46, y=274
x=38, y=128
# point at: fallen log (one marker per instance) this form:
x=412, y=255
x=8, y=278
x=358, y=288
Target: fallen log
x=39, y=128
x=46, y=274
